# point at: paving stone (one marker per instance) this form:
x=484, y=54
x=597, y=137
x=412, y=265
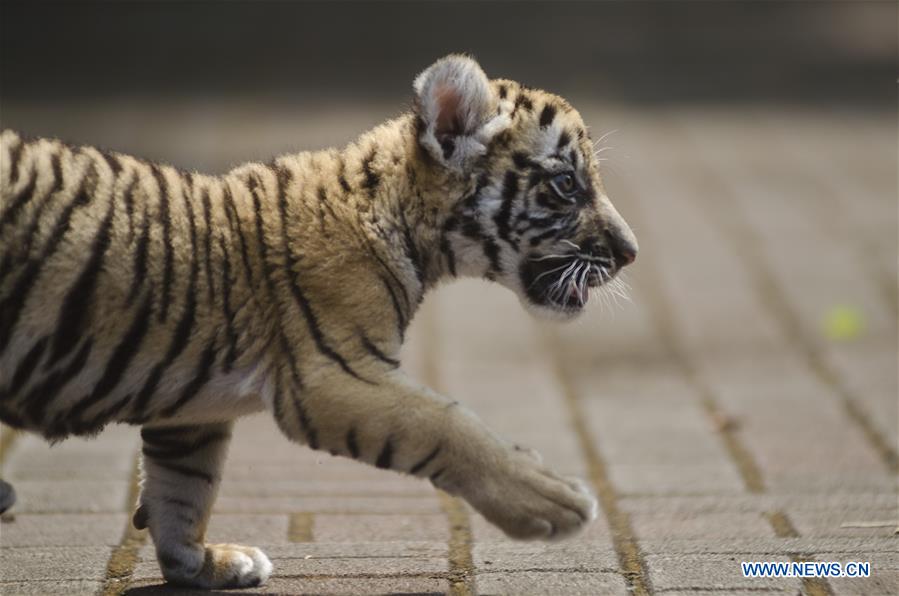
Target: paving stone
x=713, y=571
x=760, y=547
x=42, y=587
x=70, y=496
x=848, y=522
x=75, y=459
x=349, y=504
x=387, y=528
x=342, y=586
x=884, y=578
x=660, y=525
x=551, y=583
x=571, y=555
x=250, y=529
x=36, y=563
x=869, y=370
x=654, y=434
x=53, y=529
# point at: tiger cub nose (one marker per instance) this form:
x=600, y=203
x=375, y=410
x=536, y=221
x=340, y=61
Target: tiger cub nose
x=623, y=246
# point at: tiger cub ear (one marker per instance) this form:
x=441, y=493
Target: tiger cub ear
x=458, y=111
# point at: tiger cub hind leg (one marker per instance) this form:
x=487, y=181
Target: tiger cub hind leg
x=182, y=470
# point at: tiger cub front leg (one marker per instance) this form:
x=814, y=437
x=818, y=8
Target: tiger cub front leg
x=182, y=468
x=394, y=423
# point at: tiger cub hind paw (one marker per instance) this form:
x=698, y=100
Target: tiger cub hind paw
x=217, y=566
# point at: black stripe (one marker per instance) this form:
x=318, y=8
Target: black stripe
x=386, y=456
x=376, y=352
x=182, y=330
x=544, y=236
x=168, y=255
x=19, y=199
x=28, y=237
x=504, y=214
x=491, y=251
x=547, y=115
x=43, y=393
x=351, y=443
x=523, y=102
x=114, y=164
x=26, y=367
x=307, y=428
x=121, y=357
x=427, y=459
x=237, y=233
x=398, y=311
x=230, y=332
x=66, y=423
x=128, y=199
x=171, y=448
x=207, y=238
x=73, y=314
x=393, y=276
x=412, y=250
x=14, y=155
x=253, y=185
x=433, y=477
x=185, y=471
x=140, y=258
x=201, y=377
x=371, y=179
x=564, y=139
x=449, y=146
x=341, y=177
x=11, y=308
x=523, y=162
x=301, y=300
x=449, y=253
x=503, y=91
x=322, y=201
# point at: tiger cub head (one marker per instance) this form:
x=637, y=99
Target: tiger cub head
x=534, y=214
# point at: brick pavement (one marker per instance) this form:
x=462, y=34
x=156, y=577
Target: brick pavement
x=713, y=417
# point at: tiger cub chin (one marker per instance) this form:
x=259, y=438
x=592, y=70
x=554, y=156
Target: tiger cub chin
x=135, y=292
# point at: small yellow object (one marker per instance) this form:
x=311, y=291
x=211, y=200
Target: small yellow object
x=843, y=323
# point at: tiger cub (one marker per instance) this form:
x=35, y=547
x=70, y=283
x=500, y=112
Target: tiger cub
x=135, y=292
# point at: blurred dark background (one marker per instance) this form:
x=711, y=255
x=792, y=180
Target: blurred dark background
x=628, y=51
x=210, y=84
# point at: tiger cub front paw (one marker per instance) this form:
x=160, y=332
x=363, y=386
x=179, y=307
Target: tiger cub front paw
x=528, y=501
x=216, y=566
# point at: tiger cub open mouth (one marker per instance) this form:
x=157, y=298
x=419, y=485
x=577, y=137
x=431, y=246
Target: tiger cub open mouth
x=564, y=282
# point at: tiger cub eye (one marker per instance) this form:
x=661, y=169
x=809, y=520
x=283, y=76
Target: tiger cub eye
x=564, y=184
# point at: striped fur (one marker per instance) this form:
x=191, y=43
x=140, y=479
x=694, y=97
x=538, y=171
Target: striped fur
x=135, y=292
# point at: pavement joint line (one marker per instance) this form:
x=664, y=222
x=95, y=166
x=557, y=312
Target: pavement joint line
x=783, y=527
x=745, y=246
x=299, y=527
x=461, y=574
x=460, y=558
x=125, y=556
x=624, y=541
x=659, y=309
